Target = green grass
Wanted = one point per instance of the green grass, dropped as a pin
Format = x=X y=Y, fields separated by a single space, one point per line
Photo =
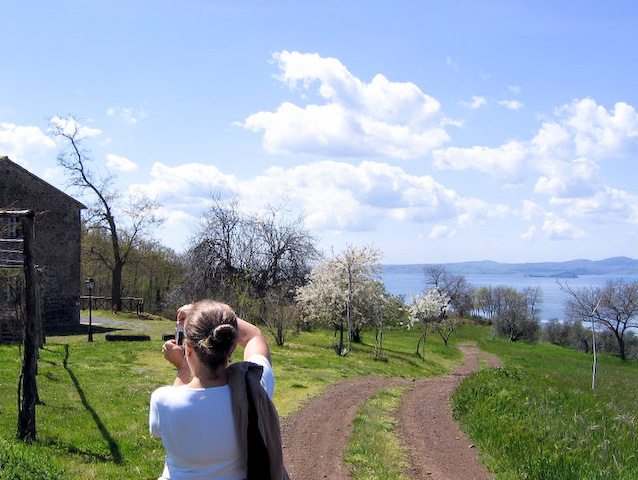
x=535 y=418
x=20 y=461
x=538 y=417
x=93 y=423
x=305 y=366
x=375 y=452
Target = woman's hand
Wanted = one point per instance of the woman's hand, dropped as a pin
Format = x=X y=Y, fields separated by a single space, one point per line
x=181 y=313
x=175 y=354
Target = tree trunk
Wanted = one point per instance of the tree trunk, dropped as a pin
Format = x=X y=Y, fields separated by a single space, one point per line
x=356 y=335
x=349 y=306
x=421 y=340
x=378 y=341
x=116 y=286
x=621 y=347
x=280 y=336
x=340 y=345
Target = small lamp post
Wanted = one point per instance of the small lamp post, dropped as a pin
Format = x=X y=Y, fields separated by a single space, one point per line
x=90 y=284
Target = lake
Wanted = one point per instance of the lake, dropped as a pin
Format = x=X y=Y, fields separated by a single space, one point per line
x=411 y=280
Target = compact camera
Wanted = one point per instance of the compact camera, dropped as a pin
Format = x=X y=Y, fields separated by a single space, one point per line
x=179 y=335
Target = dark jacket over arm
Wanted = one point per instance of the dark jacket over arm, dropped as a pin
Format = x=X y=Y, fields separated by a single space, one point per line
x=256 y=423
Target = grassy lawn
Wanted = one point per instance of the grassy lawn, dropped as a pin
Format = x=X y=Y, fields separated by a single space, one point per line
x=538 y=417
x=93 y=423
x=535 y=418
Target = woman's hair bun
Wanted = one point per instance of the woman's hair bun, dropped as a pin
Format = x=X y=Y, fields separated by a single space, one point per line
x=224 y=334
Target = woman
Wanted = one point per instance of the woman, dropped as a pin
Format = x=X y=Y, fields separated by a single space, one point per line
x=207 y=420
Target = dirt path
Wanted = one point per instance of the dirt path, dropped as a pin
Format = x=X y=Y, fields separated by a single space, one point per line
x=315 y=437
x=439 y=449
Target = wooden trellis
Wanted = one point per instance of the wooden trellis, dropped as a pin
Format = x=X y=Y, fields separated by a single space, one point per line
x=12 y=256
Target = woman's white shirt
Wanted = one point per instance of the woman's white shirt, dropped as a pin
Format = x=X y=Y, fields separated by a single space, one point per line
x=197 y=429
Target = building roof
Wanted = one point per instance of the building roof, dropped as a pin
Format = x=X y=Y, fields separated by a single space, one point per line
x=7 y=161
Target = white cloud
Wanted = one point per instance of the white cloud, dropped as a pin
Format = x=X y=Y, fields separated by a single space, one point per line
x=565 y=179
x=334 y=197
x=531 y=210
x=559 y=229
x=554 y=227
x=340 y=199
x=129 y=115
x=70 y=125
x=24 y=143
x=566 y=156
x=598 y=133
x=531 y=234
x=178 y=226
x=552 y=141
x=606 y=205
x=187 y=186
x=476 y=211
x=477 y=102
x=175 y=218
x=54 y=175
x=511 y=104
x=453 y=65
x=441 y=231
x=342 y=196
x=117 y=162
x=380 y=118
x=514 y=89
x=506 y=163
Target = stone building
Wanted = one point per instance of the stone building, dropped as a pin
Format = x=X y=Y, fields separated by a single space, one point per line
x=58 y=239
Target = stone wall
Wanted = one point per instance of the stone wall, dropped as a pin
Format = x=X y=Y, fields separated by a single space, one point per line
x=58 y=239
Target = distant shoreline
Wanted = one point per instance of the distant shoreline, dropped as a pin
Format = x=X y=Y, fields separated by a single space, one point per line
x=407 y=282
x=620 y=266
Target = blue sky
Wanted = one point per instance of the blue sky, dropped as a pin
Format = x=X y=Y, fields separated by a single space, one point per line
x=434 y=131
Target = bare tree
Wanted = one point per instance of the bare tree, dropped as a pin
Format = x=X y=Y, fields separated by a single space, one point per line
x=614 y=306
x=515 y=318
x=125 y=231
x=387 y=308
x=446 y=326
x=534 y=297
x=580 y=338
x=455 y=287
x=217 y=261
x=556 y=332
x=285 y=249
x=487 y=302
x=279 y=316
x=252 y=259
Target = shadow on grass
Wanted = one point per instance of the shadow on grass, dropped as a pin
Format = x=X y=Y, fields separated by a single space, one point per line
x=70 y=330
x=401 y=356
x=113 y=446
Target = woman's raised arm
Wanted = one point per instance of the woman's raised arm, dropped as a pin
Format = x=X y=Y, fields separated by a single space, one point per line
x=251 y=339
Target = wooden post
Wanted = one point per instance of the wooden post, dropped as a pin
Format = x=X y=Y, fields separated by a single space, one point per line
x=28 y=388
x=594 y=374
